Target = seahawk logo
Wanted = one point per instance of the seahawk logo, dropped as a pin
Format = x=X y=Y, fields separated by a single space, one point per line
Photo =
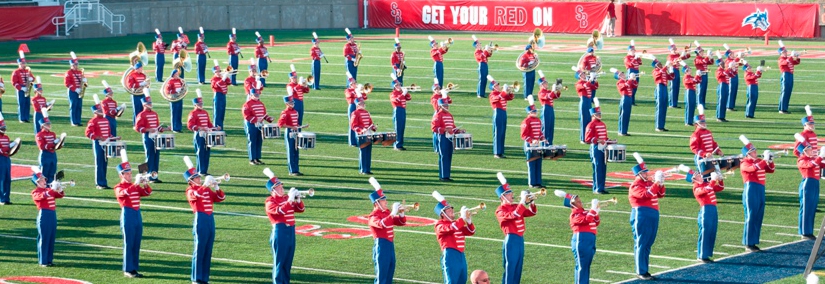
x=758 y=20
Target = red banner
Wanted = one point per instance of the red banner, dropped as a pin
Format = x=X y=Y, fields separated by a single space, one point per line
x=22 y=23
x=722 y=19
x=483 y=15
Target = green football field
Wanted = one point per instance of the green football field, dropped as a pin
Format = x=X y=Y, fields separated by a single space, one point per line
x=334 y=245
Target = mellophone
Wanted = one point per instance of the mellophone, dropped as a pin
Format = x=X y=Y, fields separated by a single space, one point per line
x=543 y=150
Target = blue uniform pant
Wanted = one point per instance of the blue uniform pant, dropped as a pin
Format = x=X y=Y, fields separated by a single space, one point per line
x=37 y=117
x=131 y=226
x=529 y=82
x=254 y=140
x=584 y=249
x=690 y=106
x=299 y=108
x=203 y=231
x=399 y=78
x=734 y=88
x=137 y=105
x=625 y=108
x=101 y=162
x=808 y=200
x=661 y=105
x=352 y=69
x=634 y=71
x=548 y=123
x=512 y=254
x=645 y=224
x=202 y=68
x=365 y=159
x=219 y=108
x=233 y=61
x=152 y=153
x=499 y=130
x=263 y=64
x=5 y=178
x=24 y=106
x=722 y=93
x=481 y=89
x=282 y=242
x=707 y=221
x=160 y=60
x=533 y=169
x=383 y=257
x=445 y=156
x=46 y=231
x=753 y=96
x=75 y=108
x=48 y=164
x=453 y=266
x=290 y=140
x=673 y=88
x=316 y=74
x=786 y=83
x=112 y=125
x=753 y=200
x=703 y=90
x=438 y=72
x=202 y=153
x=598 y=159
x=176 y=109
x=584 y=115
x=399 y=121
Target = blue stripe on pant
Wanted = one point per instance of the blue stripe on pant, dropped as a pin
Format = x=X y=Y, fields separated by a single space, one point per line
x=137 y=106
x=160 y=60
x=583 y=245
x=383 y=258
x=722 y=93
x=299 y=108
x=445 y=156
x=707 y=221
x=131 y=226
x=584 y=115
x=101 y=162
x=316 y=74
x=435 y=142
x=282 y=241
x=453 y=266
x=481 y=89
x=499 y=130
x=645 y=224
x=263 y=65
x=290 y=139
x=203 y=231
x=625 y=108
x=808 y=200
x=438 y=72
x=365 y=159
x=233 y=61
x=112 y=125
x=219 y=108
x=202 y=153
x=5 y=178
x=597 y=158
x=201 y=68
x=529 y=82
x=48 y=164
x=548 y=123
x=661 y=105
x=75 y=108
x=151 y=152
x=350 y=67
x=176 y=110
x=37 y=117
x=733 y=90
x=254 y=140
x=786 y=83
x=399 y=121
x=753 y=96
x=703 y=89
x=690 y=106
x=634 y=71
x=46 y=231
x=353 y=139
x=512 y=254
x=673 y=88
x=533 y=169
x=753 y=200
x=24 y=106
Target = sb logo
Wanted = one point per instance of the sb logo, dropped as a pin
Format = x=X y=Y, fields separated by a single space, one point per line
x=396 y=13
x=581 y=16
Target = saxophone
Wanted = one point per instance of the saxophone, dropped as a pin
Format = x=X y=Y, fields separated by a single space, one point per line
x=358 y=55
x=29 y=83
x=83 y=87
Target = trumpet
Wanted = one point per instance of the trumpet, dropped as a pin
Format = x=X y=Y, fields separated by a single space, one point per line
x=535 y=195
x=210 y=180
x=492 y=47
x=308 y=193
x=475 y=210
x=65 y=184
x=613 y=201
x=143 y=178
x=450 y=86
x=777 y=154
x=671 y=172
x=407 y=208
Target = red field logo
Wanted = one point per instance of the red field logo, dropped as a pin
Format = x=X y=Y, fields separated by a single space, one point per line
x=412 y=221
x=332 y=233
x=40 y=279
x=20 y=172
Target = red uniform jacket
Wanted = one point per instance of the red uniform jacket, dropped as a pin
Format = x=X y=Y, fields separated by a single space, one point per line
x=705 y=191
x=201 y=198
x=588 y=63
x=129 y=194
x=200 y=48
x=279 y=210
x=44 y=198
x=4 y=145
x=350 y=49
x=753 y=170
x=691 y=81
x=315 y=53
x=174 y=85
x=809 y=166
x=511 y=217
x=546 y=97
x=232 y=48
x=396 y=58
x=631 y=62
x=177 y=46
x=145 y=120
x=582 y=221
x=261 y=52
x=434 y=100
x=360 y=121
x=595 y=131
x=249 y=83
x=661 y=76
x=21 y=77
x=586 y=88
x=73 y=79
x=482 y=55
x=254 y=111
x=220 y=85
x=734 y=71
x=526 y=59
x=499 y=99
x=399 y=99
x=531 y=129
x=96 y=129
x=381 y=224
x=437 y=54
x=452 y=234
x=109 y=106
x=38 y=102
x=298 y=91
x=626 y=87
x=752 y=78
x=350 y=96
x=198 y=118
x=674 y=58
x=701 y=63
x=786 y=63
x=45 y=140
x=811 y=137
x=702 y=143
x=159 y=47
x=135 y=79
x=723 y=75
x=441 y=121
x=289 y=118
x=645 y=193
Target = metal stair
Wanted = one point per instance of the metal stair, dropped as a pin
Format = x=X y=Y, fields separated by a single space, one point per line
x=81 y=12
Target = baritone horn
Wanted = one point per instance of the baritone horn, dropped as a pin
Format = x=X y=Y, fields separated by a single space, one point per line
x=307 y=193
x=407 y=208
x=230 y=71
x=450 y=86
x=477 y=209
x=310 y=81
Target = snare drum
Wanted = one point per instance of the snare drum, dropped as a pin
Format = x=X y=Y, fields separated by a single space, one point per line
x=215 y=139
x=533 y=152
x=376 y=137
x=270 y=131
x=165 y=141
x=616 y=153
x=306 y=140
x=389 y=138
x=364 y=140
x=554 y=152
x=463 y=141
x=726 y=163
x=113 y=148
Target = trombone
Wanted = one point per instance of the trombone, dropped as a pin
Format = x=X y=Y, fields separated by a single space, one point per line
x=451 y=87
x=308 y=193
x=475 y=210
x=413 y=88
x=407 y=208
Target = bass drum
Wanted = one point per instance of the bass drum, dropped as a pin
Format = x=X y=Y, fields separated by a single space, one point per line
x=530 y=67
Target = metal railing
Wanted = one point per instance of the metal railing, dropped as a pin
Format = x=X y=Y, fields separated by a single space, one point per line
x=80 y=12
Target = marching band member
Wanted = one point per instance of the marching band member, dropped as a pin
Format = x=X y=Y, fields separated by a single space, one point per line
x=510 y=217
x=702 y=143
x=39 y=103
x=589 y=62
x=110 y=108
x=451 y=233
x=690 y=82
x=662 y=75
x=585 y=224
x=626 y=84
x=498 y=101
x=723 y=75
x=281 y=208
x=674 y=59
x=262 y=56
x=437 y=52
x=528 y=59
x=316 y=54
x=438 y=94
x=21 y=77
x=398 y=63
x=148 y=124
x=398 y=99
x=5 y=164
x=482 y=55
x=752 y=81
x=201 y=50
x=47 y=142
x=809 y=165
x=200 y=124
x=753 y=170
x=479 y=277
x=350 y=54
x=137 y=79
x=254 y=78
x=381 y=222
x=175 y=86
x=128 y=194
x=44 y=198
x=289 y=121
x=180 y=43
x=734 y=80
x=97 y=130
x=361 y=123
x=160 y=58
x=702 y=62
x=254 y=114
x=632 y=62
x=220 y=86
x=74 y=81
x=443 y=125
x=596 y=136
x=297 y=88
x=585 y=87
x=531 y=134
x=705 y=193
x=546 y=98
x=786 y=66
x=352 y=91
x=233 y=50
x=644 y=196
x=201 y=200
x=808 y=127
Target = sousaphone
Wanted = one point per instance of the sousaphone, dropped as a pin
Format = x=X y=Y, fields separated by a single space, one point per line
x=536 y=41
x=139 y=55
x=182 y=63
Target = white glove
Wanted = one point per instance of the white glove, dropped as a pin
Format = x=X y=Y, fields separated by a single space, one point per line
x=177 y=90
x=594 y=204
x=205 y=50
x=395 y=207
x=31 y=79
x=682 y=54
x=714 y=176
x=559 y=193
x=266 y=54
x=322 y=54
x=659 y=177
x=224 y=76
x=464 y=212
x=698 y=72
x=143 y=84
x=23 y=89
x=293 y=194
x=238 y=50
x=767 y=155
x=759 y=68
x=208 y=180
x=821 y=152
x=55 y=185
x=84 y=80
x=523 y=197
x=77 y=90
